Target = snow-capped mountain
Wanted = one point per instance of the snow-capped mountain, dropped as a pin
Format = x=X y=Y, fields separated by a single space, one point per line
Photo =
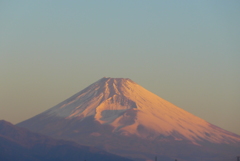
x=113 y=110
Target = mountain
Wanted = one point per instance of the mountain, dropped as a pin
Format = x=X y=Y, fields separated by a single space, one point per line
x=19 y=144
x=123 y=118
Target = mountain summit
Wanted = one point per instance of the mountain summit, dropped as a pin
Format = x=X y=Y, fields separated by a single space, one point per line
x=115 y=109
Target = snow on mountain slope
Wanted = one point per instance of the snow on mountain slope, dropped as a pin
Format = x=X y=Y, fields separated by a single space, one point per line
x=132 y=110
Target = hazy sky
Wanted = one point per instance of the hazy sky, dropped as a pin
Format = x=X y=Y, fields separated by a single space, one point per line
x=187 y=52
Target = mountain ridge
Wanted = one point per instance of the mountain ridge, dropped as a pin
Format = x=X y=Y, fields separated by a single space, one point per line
x=20 y=144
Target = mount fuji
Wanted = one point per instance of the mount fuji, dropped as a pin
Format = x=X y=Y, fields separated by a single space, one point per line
x=121 y=117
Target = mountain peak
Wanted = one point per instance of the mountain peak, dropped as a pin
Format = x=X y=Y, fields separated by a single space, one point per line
x=116 y=80
x=109 y=87
x=3 y=122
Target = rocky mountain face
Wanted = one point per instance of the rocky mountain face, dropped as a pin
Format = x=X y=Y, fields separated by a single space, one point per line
x=122 y=117
x=19 y=144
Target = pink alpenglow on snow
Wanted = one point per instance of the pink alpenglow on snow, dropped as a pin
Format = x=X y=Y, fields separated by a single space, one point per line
x=123 y=108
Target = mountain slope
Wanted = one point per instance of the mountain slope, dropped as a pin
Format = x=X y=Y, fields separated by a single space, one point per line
x=20 y=144
x=112 y=112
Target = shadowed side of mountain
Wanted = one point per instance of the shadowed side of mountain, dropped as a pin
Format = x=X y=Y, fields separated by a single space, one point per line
x=22 y=145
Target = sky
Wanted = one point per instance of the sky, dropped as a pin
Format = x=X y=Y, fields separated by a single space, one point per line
x=186 y=52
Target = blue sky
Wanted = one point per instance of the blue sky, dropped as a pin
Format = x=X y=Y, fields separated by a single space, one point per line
x=186 y=52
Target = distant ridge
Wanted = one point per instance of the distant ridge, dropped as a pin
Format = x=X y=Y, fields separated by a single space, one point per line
x=19 y=144
x=120 y=116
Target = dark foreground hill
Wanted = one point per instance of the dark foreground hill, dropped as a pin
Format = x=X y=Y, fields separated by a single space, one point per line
x=19 y=144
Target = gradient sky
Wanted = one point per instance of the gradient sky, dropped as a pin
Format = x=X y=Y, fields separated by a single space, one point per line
x=187 y=52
